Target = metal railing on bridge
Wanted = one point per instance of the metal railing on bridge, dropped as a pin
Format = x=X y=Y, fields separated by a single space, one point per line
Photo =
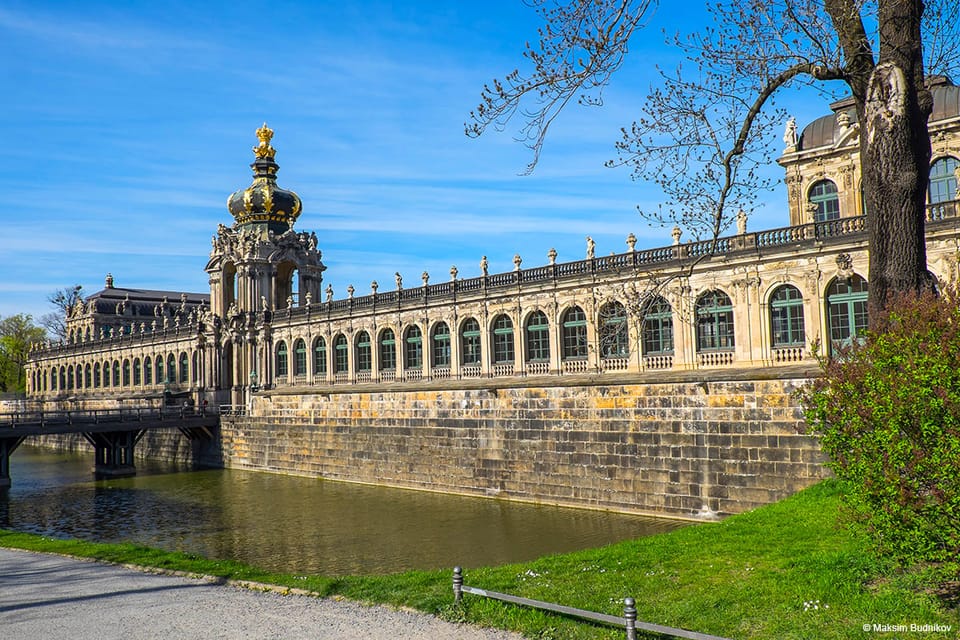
x=42 y=418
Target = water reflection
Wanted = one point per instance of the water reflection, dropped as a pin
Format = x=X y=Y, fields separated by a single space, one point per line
x=296 y=525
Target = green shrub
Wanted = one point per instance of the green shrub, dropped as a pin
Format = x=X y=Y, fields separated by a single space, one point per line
x=887 y=411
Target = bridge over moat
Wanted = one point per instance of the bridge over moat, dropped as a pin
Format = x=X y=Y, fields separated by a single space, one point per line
x=113 y=433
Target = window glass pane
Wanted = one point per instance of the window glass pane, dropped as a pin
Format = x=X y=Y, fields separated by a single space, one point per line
x=538 y=338
x=824 y=195
x=943 y=180
x=319 y=356
x=502 y=340
x=441 y=345
x=364 y=354
x=658 y=327
x=470 y=342
x=388 y=350
x=413 y=348
x=574 y=334
x=614 y=339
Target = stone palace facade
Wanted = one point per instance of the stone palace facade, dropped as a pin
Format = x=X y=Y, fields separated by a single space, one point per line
x=751 y=300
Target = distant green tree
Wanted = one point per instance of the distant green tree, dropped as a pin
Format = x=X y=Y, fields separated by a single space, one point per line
x=887 y=411
x=17 y=333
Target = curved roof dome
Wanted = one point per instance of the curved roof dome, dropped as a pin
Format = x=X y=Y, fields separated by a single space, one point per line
x=825 y=131
x=263 y=201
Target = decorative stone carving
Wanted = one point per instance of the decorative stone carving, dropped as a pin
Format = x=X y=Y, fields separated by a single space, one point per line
x=741 y=222
x=591 y=246
x=675 y=234
x=453 y=272
x=398 y=279
x=790 y=135
x=483 y=265
x=631 y=242
x=425 y=277
x=517 y=261
x=844 y=266
x=552 y=256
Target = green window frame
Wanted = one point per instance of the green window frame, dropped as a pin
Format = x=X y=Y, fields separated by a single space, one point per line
x=171 y=369
x=147 y=371
x=341 y=353
x=96 y=376
x=364 y=352
x=413 y=348
x=846 y=310
x=299 y=357
x=824 y=195
x=503 y=350
x=614 y=336
x=658 y=327
x=282 y=360
x=574 y=334
x=184 y=368
x=470 y=342
x=137 y=372
x=786 y=317
x=387 y=350
x=440 y=345
x=715 y=331
x=943 y=180
x=538 y=337
x=320 y=357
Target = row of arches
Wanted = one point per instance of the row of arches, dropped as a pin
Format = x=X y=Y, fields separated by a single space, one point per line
x=539 y=346
x=824 y=199
x=151 y=371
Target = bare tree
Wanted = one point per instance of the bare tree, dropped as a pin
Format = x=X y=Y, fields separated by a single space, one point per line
x=704 y=133
x=64 y=300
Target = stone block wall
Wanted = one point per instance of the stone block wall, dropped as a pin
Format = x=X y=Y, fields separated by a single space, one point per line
x=688 y=448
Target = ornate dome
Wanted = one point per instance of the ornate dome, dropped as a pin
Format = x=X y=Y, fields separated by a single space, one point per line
x=263 y=201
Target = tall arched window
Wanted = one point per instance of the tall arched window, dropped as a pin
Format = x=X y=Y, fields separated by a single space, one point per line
x=614 y=337
x=340 y=354
x=574 y=334
x=126 y=373
x=387 y=350
x=147 y=371
x=319 y=357
x=502 y=339
x=470 y=342
x=171 y=368
x=161 y=376
x=282 y=360
x=364 y=353
x=658 y=327
x=87 y=376
x=440 y=345
x=786 y=317
x=96 y=375
x=846 y=309
x=823 y=195
x=299 y=357
x=538 y=337
x=63 y=378
x=116 y=373
x=714 y=322
x=137 y=372
x=413 y=347
x=943 y=180
x=184 y=368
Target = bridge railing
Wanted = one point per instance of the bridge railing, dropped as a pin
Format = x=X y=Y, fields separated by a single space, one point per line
x=40 y=417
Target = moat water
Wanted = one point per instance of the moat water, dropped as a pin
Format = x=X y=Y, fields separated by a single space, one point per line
x=294 y=525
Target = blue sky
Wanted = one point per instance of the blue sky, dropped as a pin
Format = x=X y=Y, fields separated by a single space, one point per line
x=129 y=124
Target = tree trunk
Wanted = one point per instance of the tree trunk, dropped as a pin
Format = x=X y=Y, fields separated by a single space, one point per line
x=895 y=153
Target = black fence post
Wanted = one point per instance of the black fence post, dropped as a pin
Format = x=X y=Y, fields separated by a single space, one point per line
x=457 y=585
x=630 y=618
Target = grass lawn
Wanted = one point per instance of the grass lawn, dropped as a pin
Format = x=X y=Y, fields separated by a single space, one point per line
x=787 y=570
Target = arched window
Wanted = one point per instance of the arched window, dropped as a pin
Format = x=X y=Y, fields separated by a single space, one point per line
x=574 y=336
x=440 y=345
x=282 y=359
x=96 y=375
x=823 y=195
x=147 y=371
x=87 y=376
x=340 y=354
x=159 y=368
x=364 y=353
x=126 y=373
x=171 y=368
x=502 y=339
x=470 y=342
x=714 y=322
x=387 y=350
x=137 y=372
x=538 y=337
x=116 y=373
x=184 y=368
x=299 y=357
x=786 y=317
x=413 y=347
x=658 y=327
x=846 y=309
x=63 y=378
x=320 y=357
x=614 y=337
x=943 y=180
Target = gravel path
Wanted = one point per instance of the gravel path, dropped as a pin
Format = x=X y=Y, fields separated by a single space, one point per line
x=51 y=597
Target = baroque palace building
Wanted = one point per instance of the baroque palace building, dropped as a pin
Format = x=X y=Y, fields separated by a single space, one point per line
x=750 y=300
